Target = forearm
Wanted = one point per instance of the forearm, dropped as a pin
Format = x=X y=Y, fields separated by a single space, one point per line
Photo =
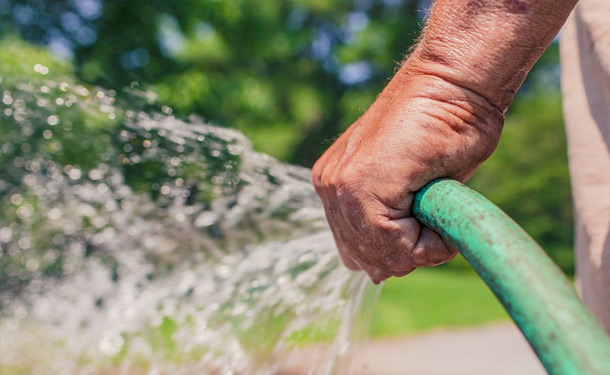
x=487 y=46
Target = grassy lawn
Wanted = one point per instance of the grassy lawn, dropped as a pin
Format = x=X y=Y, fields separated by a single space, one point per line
x=434 y=298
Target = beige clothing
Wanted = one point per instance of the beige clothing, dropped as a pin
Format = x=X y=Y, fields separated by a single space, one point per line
x=585 y=70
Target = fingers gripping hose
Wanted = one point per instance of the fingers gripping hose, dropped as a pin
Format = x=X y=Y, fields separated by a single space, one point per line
x=537 y=295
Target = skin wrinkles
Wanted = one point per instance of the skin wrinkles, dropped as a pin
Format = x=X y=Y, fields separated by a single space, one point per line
x=441 y=115
x=471 y=95
x=461 y=42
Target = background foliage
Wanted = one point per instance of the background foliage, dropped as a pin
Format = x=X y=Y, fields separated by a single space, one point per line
x=291 y=75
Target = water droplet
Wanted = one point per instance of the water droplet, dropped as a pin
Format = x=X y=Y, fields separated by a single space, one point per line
x=54 y=213
x=7 y=99
x=20 y=313
x=81 y=90
x=102 y=188
x=25 y=211
x=206 y=219
x=53 y=120
x=175 y=161
x=111 y=345
x=16 y=199
x=19 y=162
x=19 y=104
x=19 y=115
x=58 y=240
x=24 y=243
x=32 y=264
x=29 y=180
x=6 y=233
x=95 y=174
x=74 y=173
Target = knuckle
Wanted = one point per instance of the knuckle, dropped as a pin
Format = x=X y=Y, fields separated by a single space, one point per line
x=430 y=257
x=348 y=183
x=316 y=173
x=323 y=179
x=351 y=171
x=345 y=192
x=397 y=264
x=401 y=267
x=388 y=229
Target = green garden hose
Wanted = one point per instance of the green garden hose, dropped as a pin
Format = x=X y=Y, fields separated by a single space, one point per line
x=536 y=294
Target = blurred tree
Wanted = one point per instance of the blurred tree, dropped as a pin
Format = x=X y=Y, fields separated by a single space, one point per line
x=292 y=75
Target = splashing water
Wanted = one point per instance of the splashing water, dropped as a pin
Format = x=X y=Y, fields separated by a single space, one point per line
x=134 y=242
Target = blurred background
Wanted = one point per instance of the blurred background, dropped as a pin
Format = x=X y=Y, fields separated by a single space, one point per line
x=292 y=75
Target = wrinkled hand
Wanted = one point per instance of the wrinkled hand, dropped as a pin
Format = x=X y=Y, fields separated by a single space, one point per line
x=419 y=129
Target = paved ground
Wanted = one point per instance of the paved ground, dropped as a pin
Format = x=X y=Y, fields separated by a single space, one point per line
x=490 y=350
x=497 y=350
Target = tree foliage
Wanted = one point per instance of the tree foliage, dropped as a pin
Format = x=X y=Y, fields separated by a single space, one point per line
x=292 y=75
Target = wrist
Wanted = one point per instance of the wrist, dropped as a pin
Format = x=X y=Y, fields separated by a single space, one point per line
x=441 y=128
x=458 y=103
x=475 y=84
x=488 y=47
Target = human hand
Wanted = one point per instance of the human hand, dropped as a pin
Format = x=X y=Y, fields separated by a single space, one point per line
x=419 y=129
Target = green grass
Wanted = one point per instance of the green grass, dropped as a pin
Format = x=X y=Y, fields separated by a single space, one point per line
x=434 y=298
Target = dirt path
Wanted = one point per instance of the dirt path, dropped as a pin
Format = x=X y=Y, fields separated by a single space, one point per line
x=490 y=350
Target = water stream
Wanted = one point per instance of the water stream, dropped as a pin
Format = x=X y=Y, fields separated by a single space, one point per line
x=135 y=242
